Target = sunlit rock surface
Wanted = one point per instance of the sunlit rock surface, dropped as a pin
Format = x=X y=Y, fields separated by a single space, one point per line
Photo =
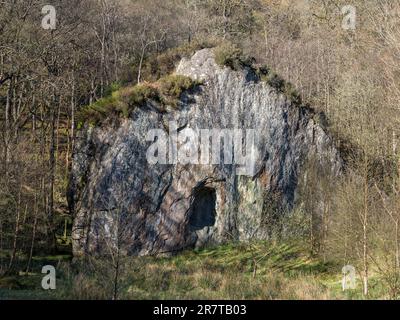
x=119 y=199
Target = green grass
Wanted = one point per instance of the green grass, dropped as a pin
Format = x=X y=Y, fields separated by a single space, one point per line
x=284 y=271
x=27 y=286
x=165 y=92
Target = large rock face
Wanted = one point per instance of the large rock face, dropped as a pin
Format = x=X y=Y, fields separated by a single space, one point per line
x=120 y=197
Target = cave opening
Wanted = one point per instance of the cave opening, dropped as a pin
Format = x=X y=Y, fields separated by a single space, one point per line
x=203 y=209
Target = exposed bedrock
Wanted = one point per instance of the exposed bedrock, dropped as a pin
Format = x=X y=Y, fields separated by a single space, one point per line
x=119 y=197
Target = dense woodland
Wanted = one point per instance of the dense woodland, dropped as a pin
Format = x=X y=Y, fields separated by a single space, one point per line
x=352 y=77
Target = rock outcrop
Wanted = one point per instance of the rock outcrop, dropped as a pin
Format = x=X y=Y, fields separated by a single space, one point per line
x=120 y=197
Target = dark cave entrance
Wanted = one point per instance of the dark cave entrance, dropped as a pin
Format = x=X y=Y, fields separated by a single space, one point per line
x=203 y=209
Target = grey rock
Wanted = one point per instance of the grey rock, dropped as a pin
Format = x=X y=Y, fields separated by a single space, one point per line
x=119 y=199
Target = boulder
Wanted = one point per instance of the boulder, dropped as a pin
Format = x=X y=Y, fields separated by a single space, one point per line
x=138 y=185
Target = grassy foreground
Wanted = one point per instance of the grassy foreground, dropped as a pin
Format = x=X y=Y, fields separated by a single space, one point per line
x=236 y=271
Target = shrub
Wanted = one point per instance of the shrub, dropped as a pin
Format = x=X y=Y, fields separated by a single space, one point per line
x=175 y=85
x=279 y=84
x=157 y=66
x=160 y=65
x=97 y=111
x=231 y=56
x=110 y=89
x=142 y=93
x=171 y=88
x=263 y=72
x=228 y=55
x=275 y=81
x=166 y=91
x=291 y=93
x=123 y=97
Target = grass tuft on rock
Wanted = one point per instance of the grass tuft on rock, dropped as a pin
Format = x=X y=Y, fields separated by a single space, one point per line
x=230 y=55
x=161 y=65
x=173 y=86
x=166 y=91
x=279 y=84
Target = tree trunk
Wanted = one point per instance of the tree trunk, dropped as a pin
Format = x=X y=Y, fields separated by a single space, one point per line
x=52 y=163
x=16 y=233
x=365 y=230
x=140 y=65
x=33 y=235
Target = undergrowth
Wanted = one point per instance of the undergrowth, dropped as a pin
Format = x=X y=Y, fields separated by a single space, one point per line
x=165 y=92
x=257 y=270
